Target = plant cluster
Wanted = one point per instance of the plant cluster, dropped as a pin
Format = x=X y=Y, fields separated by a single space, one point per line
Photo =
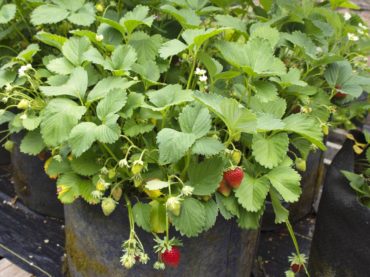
x=360 y=181
x=180 y=110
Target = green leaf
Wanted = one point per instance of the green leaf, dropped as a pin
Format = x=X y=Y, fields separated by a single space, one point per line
x=5 y=116
x=286 y=181
x=109 y=131
x=339 y=75
x=303 y=41
x=70 y=4
x=206 y=176
x=75 y=48
x=58 y=119
x=212 y=65
x=170 y=150
x=307 y=127
x=87 y=164
x=195 y=120
x=275 y=108
x=186 y=17
x=82 y=137
x=54 y=168
x=156 y=184
x=141 y=213
x=138 y=16
x=223 y=211
x=32 y=143
x=60 y=66
x=149 y=71
x=7 y=13
x=51 y=39
x=105 y=85
x=236 y=117
x=168 y=96
x=269 y=151
x=267 y=122
x=191 y=220
x=85 y=16
x=146 y=46
x=293 y=77
x=265 y=32
x=207 y=146
x=48 y=14
x=249 y=220
x=123 y=57
x=29 y=52
x=281 y=213
x=112 y=103
x=132 y=128
x=198 y=36
x=230 y=203
x=31 y=122
x=211 y=211
x=157 y=217
x=231 y=22
x=265 y=91
x=6 y=77
x=256 y=57
x=76 y=85
x=171 y=48
x=356 y=181
x=252 y=193
x=72 y=186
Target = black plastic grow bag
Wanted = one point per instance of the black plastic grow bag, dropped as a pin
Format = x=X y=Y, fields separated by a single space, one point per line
x=93 y=247
x=341 y=242
x=36 y=190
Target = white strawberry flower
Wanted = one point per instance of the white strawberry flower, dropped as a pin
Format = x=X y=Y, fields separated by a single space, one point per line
x=352 y=37
x=200 y=72
x=99 y=37
x=203 y=78
x=187 y=190
x=362 y=26
x=347 y=16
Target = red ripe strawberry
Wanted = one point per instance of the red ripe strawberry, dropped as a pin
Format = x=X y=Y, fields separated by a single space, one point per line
x=234 y=177
x=296 y=267
x=224 y=189
x=340 y=95
x=171 y=257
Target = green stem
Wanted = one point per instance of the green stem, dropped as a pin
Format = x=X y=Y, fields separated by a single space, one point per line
x=294 y=239
x=192 y=70
x=110 y=152
x=187 y=164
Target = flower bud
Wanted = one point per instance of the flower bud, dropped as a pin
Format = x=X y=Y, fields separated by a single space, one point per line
x=187 y=190
x=173 y=205
x=23 y=104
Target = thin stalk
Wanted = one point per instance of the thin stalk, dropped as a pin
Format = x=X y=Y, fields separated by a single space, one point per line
x=294 y=239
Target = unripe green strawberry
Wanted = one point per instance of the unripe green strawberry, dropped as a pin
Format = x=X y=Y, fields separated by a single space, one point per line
x=108 y=205
x=224 y=189
x=8 y=145
x=99 y=7
x=111 y=173
x=137 y=167
x=117 y=193
x=300 y=164
x=325 y=129
x=173 y=205
x=23 y=104
x=236 y=156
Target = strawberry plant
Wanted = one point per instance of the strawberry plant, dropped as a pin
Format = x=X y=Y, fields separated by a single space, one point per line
x=181 y=110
